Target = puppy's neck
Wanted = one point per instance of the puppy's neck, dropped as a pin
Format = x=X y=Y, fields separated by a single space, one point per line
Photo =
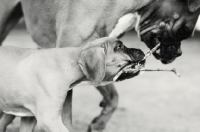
x=80 y=81
x=85 y=81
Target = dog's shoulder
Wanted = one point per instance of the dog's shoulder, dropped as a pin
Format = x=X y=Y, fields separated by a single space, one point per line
x=15 y=50
x=14 y=53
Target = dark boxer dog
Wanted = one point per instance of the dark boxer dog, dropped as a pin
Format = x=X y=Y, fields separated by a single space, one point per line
x=177 y=23
x=62 y=23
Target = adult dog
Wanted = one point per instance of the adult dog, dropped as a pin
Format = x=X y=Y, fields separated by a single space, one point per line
x=42 y=78
x=61 y=23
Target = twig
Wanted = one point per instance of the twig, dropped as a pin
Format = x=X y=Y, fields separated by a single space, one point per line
x=151 y=51
x=118 y=75
x=138 y=68
x=170 y=70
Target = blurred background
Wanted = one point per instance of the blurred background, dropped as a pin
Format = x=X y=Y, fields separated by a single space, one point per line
x=151 y=102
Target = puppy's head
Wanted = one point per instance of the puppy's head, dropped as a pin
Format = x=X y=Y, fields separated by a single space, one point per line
x=103 y=58
x=170 y=22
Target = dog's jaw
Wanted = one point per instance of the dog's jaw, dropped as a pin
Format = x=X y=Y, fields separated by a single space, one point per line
x=177 y=24
x=129 y=71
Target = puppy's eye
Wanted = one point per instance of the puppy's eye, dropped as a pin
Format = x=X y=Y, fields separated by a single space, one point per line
x=119 y=45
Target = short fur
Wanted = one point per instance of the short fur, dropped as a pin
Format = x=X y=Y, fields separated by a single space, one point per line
x=36 y=82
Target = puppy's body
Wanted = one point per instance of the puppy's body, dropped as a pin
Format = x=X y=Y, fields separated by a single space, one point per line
x=36 y=82
x=28 y=73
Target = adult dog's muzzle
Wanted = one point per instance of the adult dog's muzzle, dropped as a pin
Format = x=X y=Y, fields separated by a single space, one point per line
x=169 y=22
x=169 y=52
x=169 y=49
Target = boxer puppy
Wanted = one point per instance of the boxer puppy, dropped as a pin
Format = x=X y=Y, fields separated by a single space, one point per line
x=35 y=83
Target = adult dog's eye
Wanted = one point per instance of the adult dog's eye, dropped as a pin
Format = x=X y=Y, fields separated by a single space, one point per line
x=183 y=33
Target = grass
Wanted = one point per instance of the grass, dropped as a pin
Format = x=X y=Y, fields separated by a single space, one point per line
x=152 y=102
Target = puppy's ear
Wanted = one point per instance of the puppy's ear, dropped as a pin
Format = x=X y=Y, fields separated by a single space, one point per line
x=193 y=5
x=92 y=63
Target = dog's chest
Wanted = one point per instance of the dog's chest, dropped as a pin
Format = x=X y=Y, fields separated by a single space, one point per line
x=16 y=109
x=15 y=104
x=20 y=114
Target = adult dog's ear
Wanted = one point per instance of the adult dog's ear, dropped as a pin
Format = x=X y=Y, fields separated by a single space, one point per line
x=92 y=63
x=193 y=5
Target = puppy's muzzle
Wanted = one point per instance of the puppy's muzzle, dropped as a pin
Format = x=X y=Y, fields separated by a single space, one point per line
x=136 y=56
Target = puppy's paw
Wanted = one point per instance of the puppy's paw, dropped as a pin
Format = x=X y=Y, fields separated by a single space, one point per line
x=102 y=103
x=98 y=124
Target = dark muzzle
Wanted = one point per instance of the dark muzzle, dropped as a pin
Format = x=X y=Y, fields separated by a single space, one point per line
x=169 y=52
x=135 y=54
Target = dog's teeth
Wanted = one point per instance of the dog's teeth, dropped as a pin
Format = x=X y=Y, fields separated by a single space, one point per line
x=158 y=51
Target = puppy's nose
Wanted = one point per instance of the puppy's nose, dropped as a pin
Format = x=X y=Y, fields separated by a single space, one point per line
x=179 y=52
x=136 y=54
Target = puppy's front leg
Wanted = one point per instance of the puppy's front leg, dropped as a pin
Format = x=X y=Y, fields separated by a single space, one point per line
x=125 y=23
x=49 y=107
x=27 y=124
x=51 y=124
x=5 y=121
x=49 y=116
x=67 y=111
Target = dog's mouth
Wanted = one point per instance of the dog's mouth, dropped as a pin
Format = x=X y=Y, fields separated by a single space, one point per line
x=133 y=69
x=129 y=71
x=167 y=52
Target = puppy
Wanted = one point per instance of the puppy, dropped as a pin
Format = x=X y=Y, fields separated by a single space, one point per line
x=34 y=83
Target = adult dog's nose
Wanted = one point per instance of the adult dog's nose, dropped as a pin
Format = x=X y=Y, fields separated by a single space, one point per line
x=171 y=49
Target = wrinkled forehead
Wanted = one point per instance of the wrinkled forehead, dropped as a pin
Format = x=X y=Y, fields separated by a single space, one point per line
x=175 y=10
x=169 y=7
x=175 y=13
x=181 y=21
x=168 y=10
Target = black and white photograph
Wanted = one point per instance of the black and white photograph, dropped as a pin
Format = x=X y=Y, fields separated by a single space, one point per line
x=99 y=66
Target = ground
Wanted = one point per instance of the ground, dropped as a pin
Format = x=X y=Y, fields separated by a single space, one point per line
x=151 y=102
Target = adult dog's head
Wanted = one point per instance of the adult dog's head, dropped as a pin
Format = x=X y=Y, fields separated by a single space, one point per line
x=170 y=22
x=102 y=59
